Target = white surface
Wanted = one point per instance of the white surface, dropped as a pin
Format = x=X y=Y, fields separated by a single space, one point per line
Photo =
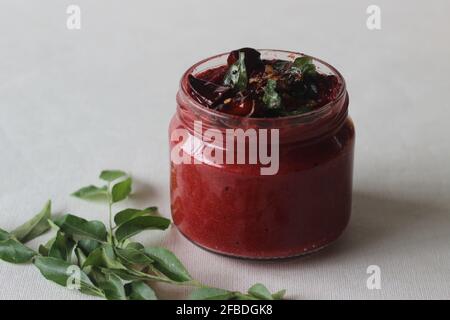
x=75 y=102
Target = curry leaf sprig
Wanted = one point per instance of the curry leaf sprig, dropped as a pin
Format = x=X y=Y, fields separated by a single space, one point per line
x=106 y=262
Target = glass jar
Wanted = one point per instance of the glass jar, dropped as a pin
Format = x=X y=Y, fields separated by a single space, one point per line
x=234 y=210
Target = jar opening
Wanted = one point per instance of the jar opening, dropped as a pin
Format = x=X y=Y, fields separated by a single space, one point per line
x=307 y=127
x=220 y=60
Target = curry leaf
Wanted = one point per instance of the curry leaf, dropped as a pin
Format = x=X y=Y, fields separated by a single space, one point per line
x=241 y=296
x=88 y=245
x=113 y=288
x=139 y=290
x=76 y=226
x=135 y=245
x=62 y=247
x=260 y=291
x=91 y=193
x=44 y=249
x=121 y=190
x=103 y=257
x=111 y=284
x=211 y=294
x=111 y=175
x=279 y=295
x=139 y=224
x=34 y=227
x=168 y=264
x=81 y=257
x=128 y=214
x=236 y=77
x=4 y=235
x=13 y=251
x=304 y=64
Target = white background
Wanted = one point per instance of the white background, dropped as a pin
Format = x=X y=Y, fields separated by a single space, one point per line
x=75 y=102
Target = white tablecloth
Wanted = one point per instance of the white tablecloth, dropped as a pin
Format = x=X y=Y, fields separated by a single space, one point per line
x=75 y=102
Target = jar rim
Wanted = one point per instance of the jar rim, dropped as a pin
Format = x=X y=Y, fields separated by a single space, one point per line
x=184 y=86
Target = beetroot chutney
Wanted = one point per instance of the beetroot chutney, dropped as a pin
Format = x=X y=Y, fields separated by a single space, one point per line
x=234 y=210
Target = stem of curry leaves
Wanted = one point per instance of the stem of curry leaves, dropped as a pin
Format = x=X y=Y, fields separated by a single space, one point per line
x=111 y=228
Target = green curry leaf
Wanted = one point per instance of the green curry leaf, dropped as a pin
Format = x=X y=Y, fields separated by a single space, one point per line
x=168 y=264
x=91 y=192
x=139 y=224
x=139 y=290
x=76 y=226
x=236 y=77
x=14 y=251
x=35 y=227
x=121 y=190
x=111 y=175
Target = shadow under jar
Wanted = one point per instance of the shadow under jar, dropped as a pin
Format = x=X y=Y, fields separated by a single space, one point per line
x=232 y=209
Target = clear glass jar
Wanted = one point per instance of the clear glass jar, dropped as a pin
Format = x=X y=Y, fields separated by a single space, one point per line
x=234 y=210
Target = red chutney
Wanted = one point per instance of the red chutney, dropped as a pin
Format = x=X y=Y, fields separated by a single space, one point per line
x=234 y=210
